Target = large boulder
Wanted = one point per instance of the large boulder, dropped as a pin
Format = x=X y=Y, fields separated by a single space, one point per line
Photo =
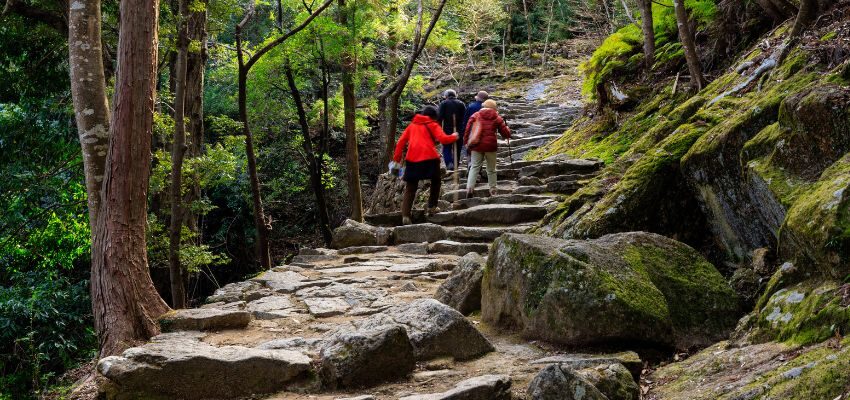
x=352 y=233
x=557 y=383
x=486 y=387
x=613 y=380
x=365 y=358
x=181 y=366
x=462 y=289
x=629 y=287
x=434 y=329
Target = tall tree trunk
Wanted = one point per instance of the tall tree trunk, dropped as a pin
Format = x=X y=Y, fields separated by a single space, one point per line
x=260 y=222
x=313 y=165
x=178 y=151
x=349 y=106
x=648 y=33
x=805 y=16
x=195 y=63
x=527 y=30
x=687 y=39
x=548 y=30
x=125 y=302
x=88 y=89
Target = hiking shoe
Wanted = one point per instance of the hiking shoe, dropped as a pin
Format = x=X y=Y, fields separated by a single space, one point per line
x=405 y=221
x=493 y=192
x=434 y=210
x=470 y=194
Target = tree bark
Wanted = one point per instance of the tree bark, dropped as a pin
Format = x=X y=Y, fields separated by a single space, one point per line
x=805 y=15
x=548 y=30
x=195 y=63
x=178 y=150
x=349 y=106
x=125 y=303
x=313 y=165
x=528 y=30
x=88 y=89
x=648 y=33
x=260 y=222
x=687 y=39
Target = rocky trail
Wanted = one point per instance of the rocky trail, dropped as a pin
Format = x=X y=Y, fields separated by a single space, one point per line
x=361 y=320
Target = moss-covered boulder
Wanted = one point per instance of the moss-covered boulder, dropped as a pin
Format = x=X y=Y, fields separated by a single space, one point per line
x=762 y=371
x=816 y=231
x=805 y=313
x=632 y=287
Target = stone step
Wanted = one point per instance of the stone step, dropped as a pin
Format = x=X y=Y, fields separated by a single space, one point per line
x=529 y=139
x=566 y=167
x=181 y=366
x=512 y=198
x=501 y=173
x=457 y=248
x=483 y=234
x=480 y=191
x=491 y=214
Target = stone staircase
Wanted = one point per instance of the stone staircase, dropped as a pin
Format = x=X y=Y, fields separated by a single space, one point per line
x=361 y=319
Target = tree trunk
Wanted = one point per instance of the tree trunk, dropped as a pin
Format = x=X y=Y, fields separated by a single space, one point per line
x=195 y=63
x=349 y=106
x=687 y=39
x=548 y=31
x=178 y=151
x=88 y=89
x=528 y=30
x=313 y=165
x=648 y=33
x=805 y=16
x=260 y=224
x=125 y=303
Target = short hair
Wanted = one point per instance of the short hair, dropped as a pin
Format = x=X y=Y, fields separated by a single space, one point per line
x=429 y=111
x=450 y=93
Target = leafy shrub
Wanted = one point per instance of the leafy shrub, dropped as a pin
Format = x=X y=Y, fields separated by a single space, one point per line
x=45 y=328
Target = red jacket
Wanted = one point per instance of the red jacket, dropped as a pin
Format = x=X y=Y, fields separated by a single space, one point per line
x=419 y=141
x=491 y=122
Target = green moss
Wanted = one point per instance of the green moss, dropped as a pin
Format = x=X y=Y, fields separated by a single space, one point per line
x=816 y=231
x=803 y=314
x=690 y=284
x=829 y=36
x=620 y=52
x=786 y=187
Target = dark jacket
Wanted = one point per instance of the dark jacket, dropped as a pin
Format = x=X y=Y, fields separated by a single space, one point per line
x=450 y=109
x=491 y=122
x=419 y=139
x=472 y=108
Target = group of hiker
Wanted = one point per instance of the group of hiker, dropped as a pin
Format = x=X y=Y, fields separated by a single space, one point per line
x=475 y=126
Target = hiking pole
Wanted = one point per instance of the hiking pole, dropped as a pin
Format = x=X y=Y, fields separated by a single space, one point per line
x=455 y=178
x=510 y=154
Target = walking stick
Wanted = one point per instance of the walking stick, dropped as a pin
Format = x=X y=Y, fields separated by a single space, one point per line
x=455 y=178
x=510 y=154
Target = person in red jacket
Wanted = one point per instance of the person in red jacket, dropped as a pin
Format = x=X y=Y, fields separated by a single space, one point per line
x=422 y=160
x=489 y=122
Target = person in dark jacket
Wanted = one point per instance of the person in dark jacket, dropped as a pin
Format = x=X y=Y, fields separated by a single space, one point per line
x=450 y=117
x=422 y=160
x=475 y=106
x=489 y=122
